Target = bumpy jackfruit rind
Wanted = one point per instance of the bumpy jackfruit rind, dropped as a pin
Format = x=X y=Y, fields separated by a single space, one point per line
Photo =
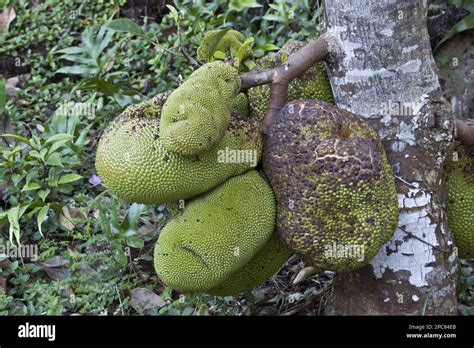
x=459 y=174
x=241 y=104
x=313 y=84
x=216 y=234
x=268 y=260
x=134 y=165
x=336 y=197
x=196 y=115
x=228 y=44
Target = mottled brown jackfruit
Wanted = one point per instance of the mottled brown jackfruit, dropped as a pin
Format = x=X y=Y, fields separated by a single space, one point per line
x=336 y=198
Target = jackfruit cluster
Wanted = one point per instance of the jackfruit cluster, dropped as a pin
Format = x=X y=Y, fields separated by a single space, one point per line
x=225 y=235
x=313 y=84
x=224 y=241
x=459 y=175
x=214 y=243
x=134 y=164
x=335 y=191
x=196 y=115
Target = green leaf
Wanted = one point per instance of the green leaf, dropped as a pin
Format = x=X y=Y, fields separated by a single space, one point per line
x=174 y=13
x=71 y=50
x=16 y=138
x=59 y=137
x=464 y=24
x=76 y=58
x=120 y=257
x=273 y=18
x=41 y=216
x=77 y=70
x=43 y=194
x=106 y=87
x=3 y=95
x=3 y=216
x=239 y=5
x=269 y=47
x=125 y=25
x=31 y=186
x=13 y=219
x=57 y=145
x=135 y=242
x=65 y=179
x=54 y=160
x=130 y=223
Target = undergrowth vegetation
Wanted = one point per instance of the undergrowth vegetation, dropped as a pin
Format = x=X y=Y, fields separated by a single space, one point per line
x=65 y=74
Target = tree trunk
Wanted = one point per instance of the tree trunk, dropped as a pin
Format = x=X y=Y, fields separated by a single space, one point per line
x=382 y=68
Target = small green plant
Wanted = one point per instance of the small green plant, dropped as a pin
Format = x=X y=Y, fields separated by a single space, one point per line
x=122 y=234
x=94 y=61
x=464 y=24
x=39 y=170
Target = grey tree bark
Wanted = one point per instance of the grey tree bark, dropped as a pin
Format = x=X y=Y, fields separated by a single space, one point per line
x=381 y=67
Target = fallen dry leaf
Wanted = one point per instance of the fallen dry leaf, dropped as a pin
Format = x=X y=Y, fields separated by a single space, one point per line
x=55 y=261
x=55 y=267
x=65 y=219
x=55 y=273
x=304 y=274
x=10 y=85
x=144 y=299
x=40 y=128
x=147 y=232
x=6 y=17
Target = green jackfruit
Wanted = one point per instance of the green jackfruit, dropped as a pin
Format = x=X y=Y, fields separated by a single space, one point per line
x=336 y=197
x=459 y=172
x=134 y=164
x=230 y=43
x=268 y=260
x=216 y=234
x=313 y=84
x=241 y=104
x=196 y=115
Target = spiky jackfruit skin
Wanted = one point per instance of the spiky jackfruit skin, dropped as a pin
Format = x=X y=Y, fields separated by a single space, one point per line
x=228 y=44
x=459 y=174
x=134 y=164
x=334 y=186
x=266 y=262
x=197 y=113
x=313 y=84
x=241 y=104
x=216 y=234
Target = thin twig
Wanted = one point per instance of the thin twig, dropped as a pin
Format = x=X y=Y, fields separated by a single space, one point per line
x=190 y=59
x=423 y=241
